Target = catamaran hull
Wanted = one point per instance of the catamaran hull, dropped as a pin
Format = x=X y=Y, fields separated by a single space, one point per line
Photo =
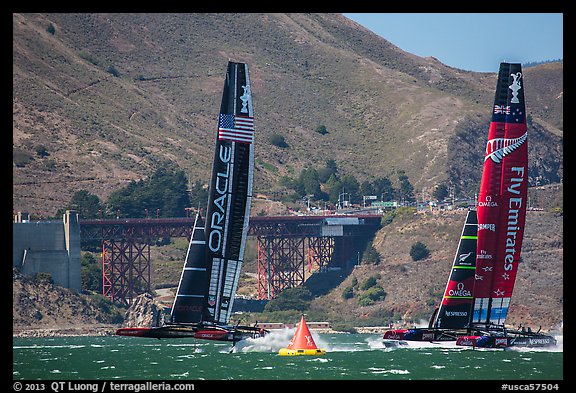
x=156 y=332
x=233 y=334
x=393 y=338
x=422 y=335
x=535 y=341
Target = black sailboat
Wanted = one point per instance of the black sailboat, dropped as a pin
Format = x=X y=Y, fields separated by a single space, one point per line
x=209 y=278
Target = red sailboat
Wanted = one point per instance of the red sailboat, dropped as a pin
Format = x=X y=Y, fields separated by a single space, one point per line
x=477 y=297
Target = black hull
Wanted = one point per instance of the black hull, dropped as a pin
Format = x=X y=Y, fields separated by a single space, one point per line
x=212 y=332
x=424 y=334
x=497 y=340
x=490 y=338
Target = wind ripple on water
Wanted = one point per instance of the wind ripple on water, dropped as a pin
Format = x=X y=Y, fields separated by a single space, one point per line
x=349 y=356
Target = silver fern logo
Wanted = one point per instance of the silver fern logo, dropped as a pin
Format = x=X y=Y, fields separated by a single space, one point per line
x=498 y=148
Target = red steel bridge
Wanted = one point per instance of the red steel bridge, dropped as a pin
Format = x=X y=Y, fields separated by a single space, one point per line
x=288 y=246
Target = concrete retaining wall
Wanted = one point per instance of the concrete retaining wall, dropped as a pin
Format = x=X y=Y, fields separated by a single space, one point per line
x=50 y=247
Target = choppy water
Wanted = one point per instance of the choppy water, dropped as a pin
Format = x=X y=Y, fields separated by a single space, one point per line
x=350 y=356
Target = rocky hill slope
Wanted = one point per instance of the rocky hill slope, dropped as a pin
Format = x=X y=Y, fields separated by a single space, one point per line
x=103 y=99
x=414 y=288
x=42 y=308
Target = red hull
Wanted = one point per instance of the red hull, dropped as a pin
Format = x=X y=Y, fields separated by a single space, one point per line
x=397 y=334
x=216 y=335
x=151 y=332
x=133 y=332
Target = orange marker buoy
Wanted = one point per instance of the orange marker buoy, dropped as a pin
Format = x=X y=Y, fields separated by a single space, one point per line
x=302 y=343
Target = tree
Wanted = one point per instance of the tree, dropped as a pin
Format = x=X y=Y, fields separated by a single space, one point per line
x=372 y=294
x=419 y=251
x=310 y=183
x=366 y=188
x=371 y=256
x=165 y=191
x=383 y=189
x=352 y=187
x=406 y=190
x=369 y=282
x=329 y=169
x=41 y=151
x=333 y=188
x=348 y=292
x=86 y=204
x=331 y=164
x=90 y=273
x=297 y=298
x=321 y=129
x=113 y=71
x=198 y=195
x=278 y=140
x=440 y=192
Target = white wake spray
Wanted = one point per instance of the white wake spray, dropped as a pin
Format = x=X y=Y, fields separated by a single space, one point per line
x=272 y=342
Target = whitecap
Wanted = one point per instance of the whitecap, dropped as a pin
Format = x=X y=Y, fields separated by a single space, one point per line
x=180 y=375
x=392 y=371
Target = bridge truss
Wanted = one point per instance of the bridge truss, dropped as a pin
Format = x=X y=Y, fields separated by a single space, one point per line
x=290 y=248
x=126 y=263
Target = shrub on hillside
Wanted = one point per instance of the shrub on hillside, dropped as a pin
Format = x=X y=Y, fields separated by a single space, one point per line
x=371 y=295
x=297 y=298
x=278 y=140
x=419 y=251
x=369 y=282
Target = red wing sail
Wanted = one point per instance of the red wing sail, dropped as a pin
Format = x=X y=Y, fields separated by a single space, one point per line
x=457 y=302
x=502 y=199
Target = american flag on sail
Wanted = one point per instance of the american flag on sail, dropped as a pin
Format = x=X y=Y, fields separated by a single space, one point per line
x=236 y=128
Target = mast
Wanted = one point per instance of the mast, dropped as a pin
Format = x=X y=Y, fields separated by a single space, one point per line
x=230 y=193
x=456 y=307
x=502 y=200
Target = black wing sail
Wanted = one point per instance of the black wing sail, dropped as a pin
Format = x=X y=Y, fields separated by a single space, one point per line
x=230 y=192
x=456 y=307
x=191 y=295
